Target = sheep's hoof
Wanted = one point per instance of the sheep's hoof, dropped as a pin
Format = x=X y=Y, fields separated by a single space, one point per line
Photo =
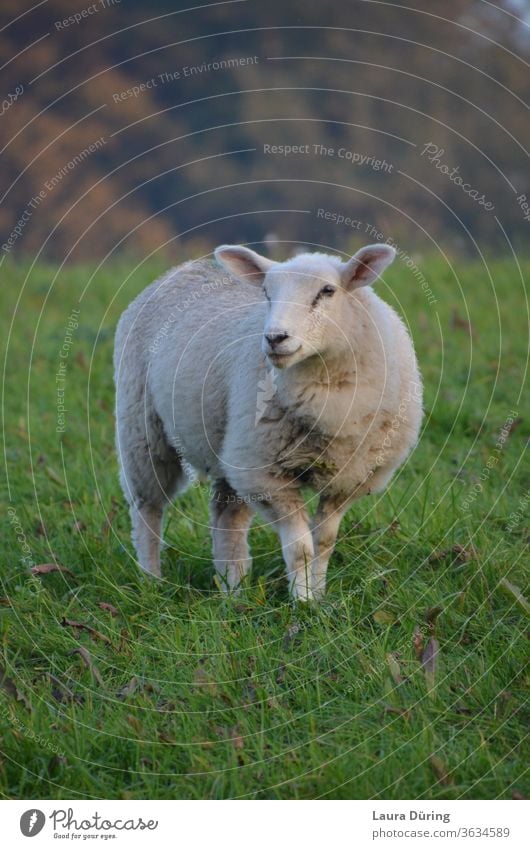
x=153 y=575
x=304 y=595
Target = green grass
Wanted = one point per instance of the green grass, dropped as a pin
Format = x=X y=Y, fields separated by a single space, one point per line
x=252 y=697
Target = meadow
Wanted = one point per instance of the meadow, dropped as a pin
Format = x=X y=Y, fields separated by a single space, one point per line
x=408 y=681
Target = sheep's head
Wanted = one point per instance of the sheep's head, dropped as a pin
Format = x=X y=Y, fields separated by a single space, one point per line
x=308 y=296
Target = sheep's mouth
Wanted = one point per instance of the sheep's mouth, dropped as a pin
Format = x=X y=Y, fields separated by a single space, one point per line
x=280 y=358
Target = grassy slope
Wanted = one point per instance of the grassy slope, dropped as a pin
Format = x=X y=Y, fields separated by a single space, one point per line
x=250 y=697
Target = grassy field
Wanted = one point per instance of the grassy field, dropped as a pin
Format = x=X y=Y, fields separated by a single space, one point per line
x=409 y=681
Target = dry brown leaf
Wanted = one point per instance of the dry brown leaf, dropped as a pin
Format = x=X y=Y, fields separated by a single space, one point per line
x=110 y=516
x=404 y=712
x=440 y=770
x=204 y=744
x=461 y=323
x=11 y=688
x=394 y=667
x=80 y=626
x=418 y=642
x=129 y=688
x=431 y=615
x=429 y=661
x=87 y=660
x=236 y=739
x=40 y=529
x=460 y=553
x=202 y=679
x=166 y=738
x=54 y=476
x=515 y=592
x=384 y=617
x=81 y=360
x=516 y=794
x=109 y=608
x=46 y=568
x=134 y=723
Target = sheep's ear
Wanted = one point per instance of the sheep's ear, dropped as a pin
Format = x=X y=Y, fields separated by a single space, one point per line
x=244 y=263
x=366 y=265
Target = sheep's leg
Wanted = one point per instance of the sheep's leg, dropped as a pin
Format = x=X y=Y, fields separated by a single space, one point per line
x=231 y=518
x=147 y=536
x=298 y=553
x=325 y=527
x=290 y=520
x=151 y=473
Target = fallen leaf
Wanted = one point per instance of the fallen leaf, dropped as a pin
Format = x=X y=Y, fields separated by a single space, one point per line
x=166 y=738
x=54 y=476
x=87 y=660
x=134 y=722
x=109 y=608
x=431 y=615
x=81 y=360
x=460 y=323
x=394 y=667
x=429 y=661
x=418 y=642
x=394 y=526
x=384 y=617
x=404 y=712
x=514 y=591
x=280 y=675
x=236 y=739
x=11 y=688
x=440 y=770
x=46 y=568
x=202 y=679
x=460 y=553
x=204 y=744
x=80 y=626
x=110 y=516
x=129 y=688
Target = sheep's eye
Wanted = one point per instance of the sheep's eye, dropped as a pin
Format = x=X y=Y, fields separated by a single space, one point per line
x=327 y=290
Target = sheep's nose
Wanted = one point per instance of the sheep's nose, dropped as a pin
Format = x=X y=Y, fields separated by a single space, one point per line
x=275 y=338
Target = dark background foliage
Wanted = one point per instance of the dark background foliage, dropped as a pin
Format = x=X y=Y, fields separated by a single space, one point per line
x=182 y=166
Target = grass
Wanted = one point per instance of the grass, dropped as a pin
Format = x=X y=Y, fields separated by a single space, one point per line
x=181 y=693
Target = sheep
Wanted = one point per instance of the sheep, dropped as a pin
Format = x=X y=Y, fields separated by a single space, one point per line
x=270 y=379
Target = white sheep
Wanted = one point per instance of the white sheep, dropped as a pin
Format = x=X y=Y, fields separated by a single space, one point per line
x=266 y=377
